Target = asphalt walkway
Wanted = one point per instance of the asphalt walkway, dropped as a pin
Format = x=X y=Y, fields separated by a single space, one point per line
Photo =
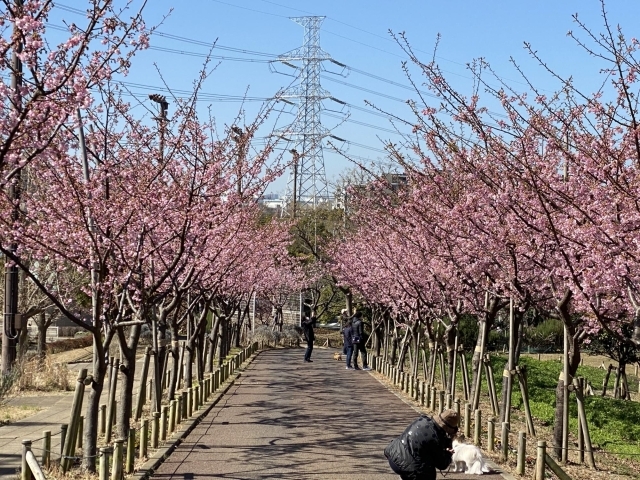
x=287 y=419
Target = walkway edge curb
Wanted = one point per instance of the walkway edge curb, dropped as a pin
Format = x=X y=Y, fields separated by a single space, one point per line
x=496 y=468
x=161 y=454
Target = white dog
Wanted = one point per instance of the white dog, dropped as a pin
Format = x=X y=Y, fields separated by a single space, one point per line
x=468 y=458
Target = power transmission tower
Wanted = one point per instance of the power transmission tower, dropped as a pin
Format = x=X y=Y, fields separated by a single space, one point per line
x=307 y=183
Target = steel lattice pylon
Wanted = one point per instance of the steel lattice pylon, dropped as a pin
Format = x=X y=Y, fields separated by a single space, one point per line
x=307 y=179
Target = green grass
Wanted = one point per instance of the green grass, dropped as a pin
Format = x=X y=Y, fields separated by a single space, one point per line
x=614 y=425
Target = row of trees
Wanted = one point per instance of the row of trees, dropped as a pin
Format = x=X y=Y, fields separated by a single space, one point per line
x=145 y=224
x=512 y=196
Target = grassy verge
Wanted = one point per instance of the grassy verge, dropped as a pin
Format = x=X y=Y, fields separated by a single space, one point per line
x=12 y=413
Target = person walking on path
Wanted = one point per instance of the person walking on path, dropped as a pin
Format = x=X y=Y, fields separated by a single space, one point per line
x=307 y=327
x=348 y=342
x=425 y=445
x=358 y=341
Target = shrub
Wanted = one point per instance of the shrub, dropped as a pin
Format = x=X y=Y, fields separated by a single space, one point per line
x=41 y=374
x=546 y=336
x=6 y=383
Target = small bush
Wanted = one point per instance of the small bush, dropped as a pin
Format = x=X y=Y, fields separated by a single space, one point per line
x=6 y=383
x=70 y=344
x=291 y=333
x=546 y=336
x=41 y=375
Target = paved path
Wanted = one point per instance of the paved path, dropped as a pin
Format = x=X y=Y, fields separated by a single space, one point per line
x=287 y=419
x=55 y=409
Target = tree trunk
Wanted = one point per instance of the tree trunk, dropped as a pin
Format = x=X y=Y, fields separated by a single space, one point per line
x=174 y=353
x=126 y=376
x=213 y=340
x=43 y=325
x=485 y=324
x=450 y=336
x=188 y=364
x=574 y=363
x=512 y=359
x=90 y=441
x=403 y=349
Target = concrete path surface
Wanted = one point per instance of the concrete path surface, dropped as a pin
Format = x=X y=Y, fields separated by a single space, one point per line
x=287 y=419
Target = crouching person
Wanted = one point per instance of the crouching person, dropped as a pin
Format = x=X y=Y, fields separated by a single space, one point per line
x=424 y=446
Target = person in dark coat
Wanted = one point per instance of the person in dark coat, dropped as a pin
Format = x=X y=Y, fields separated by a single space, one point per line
x=359 y=341
x=307 y=326
x=425 y=445
x=348 y=342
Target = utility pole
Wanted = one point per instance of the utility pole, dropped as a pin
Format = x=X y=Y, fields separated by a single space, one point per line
x=157 y=350
x=161 y=100
x=239 y=137
x=11 y=278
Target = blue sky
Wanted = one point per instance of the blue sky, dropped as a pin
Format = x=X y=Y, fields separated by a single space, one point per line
x=355 y=33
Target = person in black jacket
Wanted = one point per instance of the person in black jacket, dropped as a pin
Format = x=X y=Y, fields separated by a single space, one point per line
x=309 y=335
x=348 y=342
x=359 y=342
x=425 y=445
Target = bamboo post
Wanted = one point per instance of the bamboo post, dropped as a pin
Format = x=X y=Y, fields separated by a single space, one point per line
x=144 y=438
x=491 y=434
x=477 y=427
x=131 y=451
x=155 y=427
x=163 y=423
x=504 y=441
x=142 y=388
x=46 y=449
x=104 y=463
x=491 y=385
x=522 y=450
x=524 y=390
x=63 y=437
x=584 y=425
x=116 y=466
x=422 y=393
x=80 y=432
x=478 y=380
x=452 y=387
x=440 y=401
x=178 y=411
x=111 y=404
x=465 y=374
x=433 y=398
x=25 y=473
x=172 y=416
x=185 y=407
x=190 y=402
x=428 y=396
x=555 y=468
x=103 y=419
x=33 y=466
x=467 y=420
x=456 y=406
x=580 y=440
x=605 y=382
